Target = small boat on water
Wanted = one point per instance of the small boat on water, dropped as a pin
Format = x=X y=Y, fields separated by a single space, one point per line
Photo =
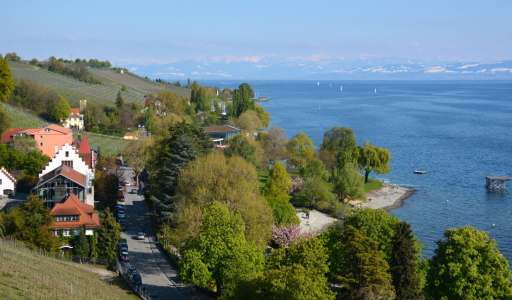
x=341 y=88
x=420 y=172
x=375 y=91
x=318 y=83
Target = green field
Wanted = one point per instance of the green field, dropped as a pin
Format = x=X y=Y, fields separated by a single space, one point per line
x=108 y=145
x=28 y=274
x=21 y=119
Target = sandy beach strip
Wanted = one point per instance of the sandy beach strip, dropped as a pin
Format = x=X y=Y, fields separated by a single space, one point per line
x=386 y=197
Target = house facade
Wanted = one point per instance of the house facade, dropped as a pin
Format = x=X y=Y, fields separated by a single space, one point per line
x=71 y=170
x=218 y=134
x=75 y=120
x=72 y=215
x=49 y=140
x=7 y=183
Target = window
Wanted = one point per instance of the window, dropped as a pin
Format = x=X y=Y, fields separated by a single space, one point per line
x=67 y=163
x=66 y=219
x=41 y=144
x=40 y=136
x=67 y=153
x=67 y=232
x=47 y=130
x=0 y=181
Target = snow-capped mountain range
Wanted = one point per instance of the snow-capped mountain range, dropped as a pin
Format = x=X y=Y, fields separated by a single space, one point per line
x=272 y=68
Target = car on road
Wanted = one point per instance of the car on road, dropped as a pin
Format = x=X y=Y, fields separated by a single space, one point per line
x=133 y=191
x=124 y=245
x=131 y=271
x=121 y=198
x=141 y=236
x=136 y=278
x=124 y=256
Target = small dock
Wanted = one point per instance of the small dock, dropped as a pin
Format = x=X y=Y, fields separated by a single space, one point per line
x=262 y=99
x=496 y=182
x=420 y=172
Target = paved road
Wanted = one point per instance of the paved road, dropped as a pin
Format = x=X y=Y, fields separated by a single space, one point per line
x=157 y=272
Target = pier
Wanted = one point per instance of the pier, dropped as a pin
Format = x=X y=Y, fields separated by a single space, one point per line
x=496 y=182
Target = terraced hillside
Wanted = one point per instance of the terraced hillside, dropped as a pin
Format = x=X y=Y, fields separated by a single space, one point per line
x=108 y=145
x=71 y=88
x=27 y=274
x=135 y=83
x=21 y=119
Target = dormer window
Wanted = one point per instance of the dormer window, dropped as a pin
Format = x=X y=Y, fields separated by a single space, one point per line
x=66 y=219
x=47 y=130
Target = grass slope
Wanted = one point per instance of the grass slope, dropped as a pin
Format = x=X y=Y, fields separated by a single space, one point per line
x=21 y=119
x=27 y=274
x=108 y=145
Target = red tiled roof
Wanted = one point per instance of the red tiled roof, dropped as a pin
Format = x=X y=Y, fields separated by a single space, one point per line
x=84 y=145
x=75 y=113
x=129 y=134
x=7 y=174
x=220 y=128
x=148 y=101
x=7 y=135
x=72 y=206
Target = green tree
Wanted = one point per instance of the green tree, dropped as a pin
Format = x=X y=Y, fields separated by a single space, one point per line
x=233 y=182
x=199 y=97
x=373 y=158
x=124 y=88
x=108 y=235
x=300 y=149
x=119 y=101
x=170 y=102
x=241 y=101
x=295 y=273
x=314 y=168
x=404 y=263
x=248 y=87
x=12 y=56
x=273 y=142
x=81 y=246
x=5 y=120
x=467 y=265
x=239 y=145
x=61 y=111
x=283 y=212
x=379 y=226
x=220 y=253
x=6 y=81
x=363 y=274
x=248 y=121
x=278 y=182
x=136 y=154
x=341 y=143
x=29 y=222
x=316 y=191
x=350 y=183
x=263 y=115
x=149 y=119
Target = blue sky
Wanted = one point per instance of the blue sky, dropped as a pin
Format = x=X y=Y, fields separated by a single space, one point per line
x=169 y=31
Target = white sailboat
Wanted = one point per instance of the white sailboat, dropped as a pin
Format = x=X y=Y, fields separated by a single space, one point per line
x=341 y=88
x=375 y=91
x=318 y=83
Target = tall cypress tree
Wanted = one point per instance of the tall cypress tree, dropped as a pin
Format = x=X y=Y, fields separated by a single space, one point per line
x=404 y=262
x=108 y=235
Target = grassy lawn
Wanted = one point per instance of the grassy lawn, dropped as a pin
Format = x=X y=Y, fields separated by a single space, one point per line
x=372 y=184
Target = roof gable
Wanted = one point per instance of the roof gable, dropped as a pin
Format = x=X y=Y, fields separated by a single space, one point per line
x=7 y=174
x=72 y=206
x=67 y=172
x=7 y=135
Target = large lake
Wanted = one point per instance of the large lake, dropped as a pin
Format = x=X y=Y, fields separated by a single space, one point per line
x=457 y=131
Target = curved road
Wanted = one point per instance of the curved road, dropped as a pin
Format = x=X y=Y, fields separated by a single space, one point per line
x=157 y=272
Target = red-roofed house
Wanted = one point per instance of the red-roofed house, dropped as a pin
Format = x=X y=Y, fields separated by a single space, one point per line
x=7 y=183
x=130 y=136
x=75 y=120
x=72 y=215
x=58 y=184
x=49 y=139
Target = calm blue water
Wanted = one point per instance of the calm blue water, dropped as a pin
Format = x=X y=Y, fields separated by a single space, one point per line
x=458 y=131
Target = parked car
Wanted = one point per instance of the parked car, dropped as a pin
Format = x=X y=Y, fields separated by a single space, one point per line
x=121 y=198
x=122 y=222
x=124 y=256
x=120 y=214
x=136 y=278
x=127 y=183
x=123 y=249
x=123 y=245
x=131 y=271
x=141 y=236
x=120 y=207
x=133 y=191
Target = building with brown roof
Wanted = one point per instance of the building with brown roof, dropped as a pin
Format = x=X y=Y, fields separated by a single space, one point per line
x=72 y=215
x=218 y=134
x=56 y=185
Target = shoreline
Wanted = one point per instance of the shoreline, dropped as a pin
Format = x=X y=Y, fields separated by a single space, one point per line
x=387 y=197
